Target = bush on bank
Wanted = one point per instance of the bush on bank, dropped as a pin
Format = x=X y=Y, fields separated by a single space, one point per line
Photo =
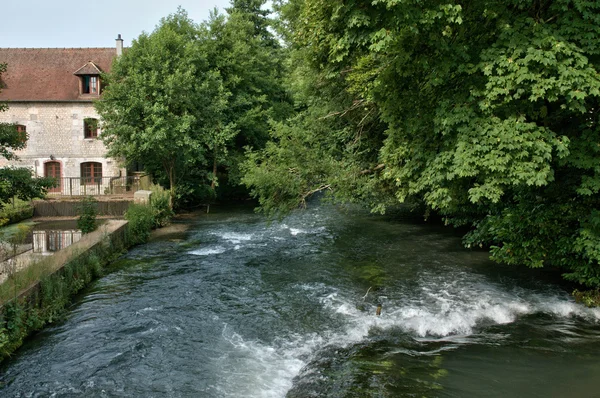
x=87 y=210
x=589 y=298
x=161 y=211
x=12 y=215
x=143 y=218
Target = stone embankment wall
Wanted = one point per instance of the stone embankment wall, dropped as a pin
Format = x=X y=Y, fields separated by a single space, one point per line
x=70 y=207
x=66 y=273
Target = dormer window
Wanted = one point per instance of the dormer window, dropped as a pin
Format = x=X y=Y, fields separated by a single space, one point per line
x=89 y=79
x=89 y=84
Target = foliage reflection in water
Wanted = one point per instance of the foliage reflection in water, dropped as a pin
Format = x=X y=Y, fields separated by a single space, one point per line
x=241 y=308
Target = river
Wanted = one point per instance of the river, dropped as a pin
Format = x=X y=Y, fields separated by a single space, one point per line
x=237 y=307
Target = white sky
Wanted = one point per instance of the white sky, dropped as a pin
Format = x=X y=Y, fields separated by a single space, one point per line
x=89 y=23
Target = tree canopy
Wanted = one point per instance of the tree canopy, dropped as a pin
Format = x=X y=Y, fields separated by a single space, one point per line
x=486 y=112
x=160 y=101
x=185 y=99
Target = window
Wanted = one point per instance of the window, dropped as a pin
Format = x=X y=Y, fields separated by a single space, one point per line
x=53 y=240
x=91 y=173
x=90 y=128
x=94 y=84
x=22 y=133
x=52 y=169
x=89 y=84
x=89 y=79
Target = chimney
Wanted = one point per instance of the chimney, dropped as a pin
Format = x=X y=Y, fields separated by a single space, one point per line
x=119 y=46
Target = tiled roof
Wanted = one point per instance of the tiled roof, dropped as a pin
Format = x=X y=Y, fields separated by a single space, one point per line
x=47 y=74
x=88 y=69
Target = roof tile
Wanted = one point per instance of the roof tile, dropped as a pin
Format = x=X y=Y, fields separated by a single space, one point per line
x=88 y=69
x=47 y=74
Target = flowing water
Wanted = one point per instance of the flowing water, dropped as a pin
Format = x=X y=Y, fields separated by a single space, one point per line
x=241 y=308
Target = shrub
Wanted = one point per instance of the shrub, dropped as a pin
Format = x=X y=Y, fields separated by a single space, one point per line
x=141 y=220
x=88 y=209
x=12 y=215
x=161 y=210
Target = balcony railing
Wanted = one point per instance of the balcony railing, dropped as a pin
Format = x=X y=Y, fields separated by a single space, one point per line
x=83 y=186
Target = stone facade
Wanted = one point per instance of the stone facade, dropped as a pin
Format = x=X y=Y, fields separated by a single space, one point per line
x=51 y=93
x=56 y=133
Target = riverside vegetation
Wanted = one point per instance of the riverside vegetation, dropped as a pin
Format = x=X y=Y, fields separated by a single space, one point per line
x=18 y=211
x=484 y=113
x=88 y=210
x=48 y=292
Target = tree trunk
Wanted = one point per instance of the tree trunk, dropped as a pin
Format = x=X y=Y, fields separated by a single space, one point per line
x=214 y=178
x=171 y=173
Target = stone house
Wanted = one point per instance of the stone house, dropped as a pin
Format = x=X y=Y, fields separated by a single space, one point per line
x=50 y=93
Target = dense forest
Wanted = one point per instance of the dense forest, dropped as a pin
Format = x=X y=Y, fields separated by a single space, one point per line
x=484 y=113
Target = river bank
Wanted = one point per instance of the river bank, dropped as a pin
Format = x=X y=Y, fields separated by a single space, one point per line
x=38 y=288
x=37 y=294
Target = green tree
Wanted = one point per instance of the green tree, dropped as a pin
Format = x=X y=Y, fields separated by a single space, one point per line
x=249 y=60
x=161 y=101
x=254 y=12
x=18 y=182
x=185 y=99
x=484 y=111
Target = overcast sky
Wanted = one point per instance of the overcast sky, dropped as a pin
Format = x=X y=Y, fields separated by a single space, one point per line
x=89 y=23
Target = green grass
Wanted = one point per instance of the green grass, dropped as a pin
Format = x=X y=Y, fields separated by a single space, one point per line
x=25 y=278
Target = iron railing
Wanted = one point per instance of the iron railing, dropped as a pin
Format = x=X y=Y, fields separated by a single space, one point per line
x=83 y=186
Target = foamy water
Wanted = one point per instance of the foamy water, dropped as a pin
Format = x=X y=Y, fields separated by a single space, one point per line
x=455 y=306
x=208 y=251
x=269 y=370
x=274 y=367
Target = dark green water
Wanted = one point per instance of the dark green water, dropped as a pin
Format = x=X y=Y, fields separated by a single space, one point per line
x=239 y=308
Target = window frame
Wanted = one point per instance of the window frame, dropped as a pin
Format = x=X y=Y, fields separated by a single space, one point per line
x=22 y=132
x=93 y=84
x=91 y=173
x=89 y=132
x=90 y=84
